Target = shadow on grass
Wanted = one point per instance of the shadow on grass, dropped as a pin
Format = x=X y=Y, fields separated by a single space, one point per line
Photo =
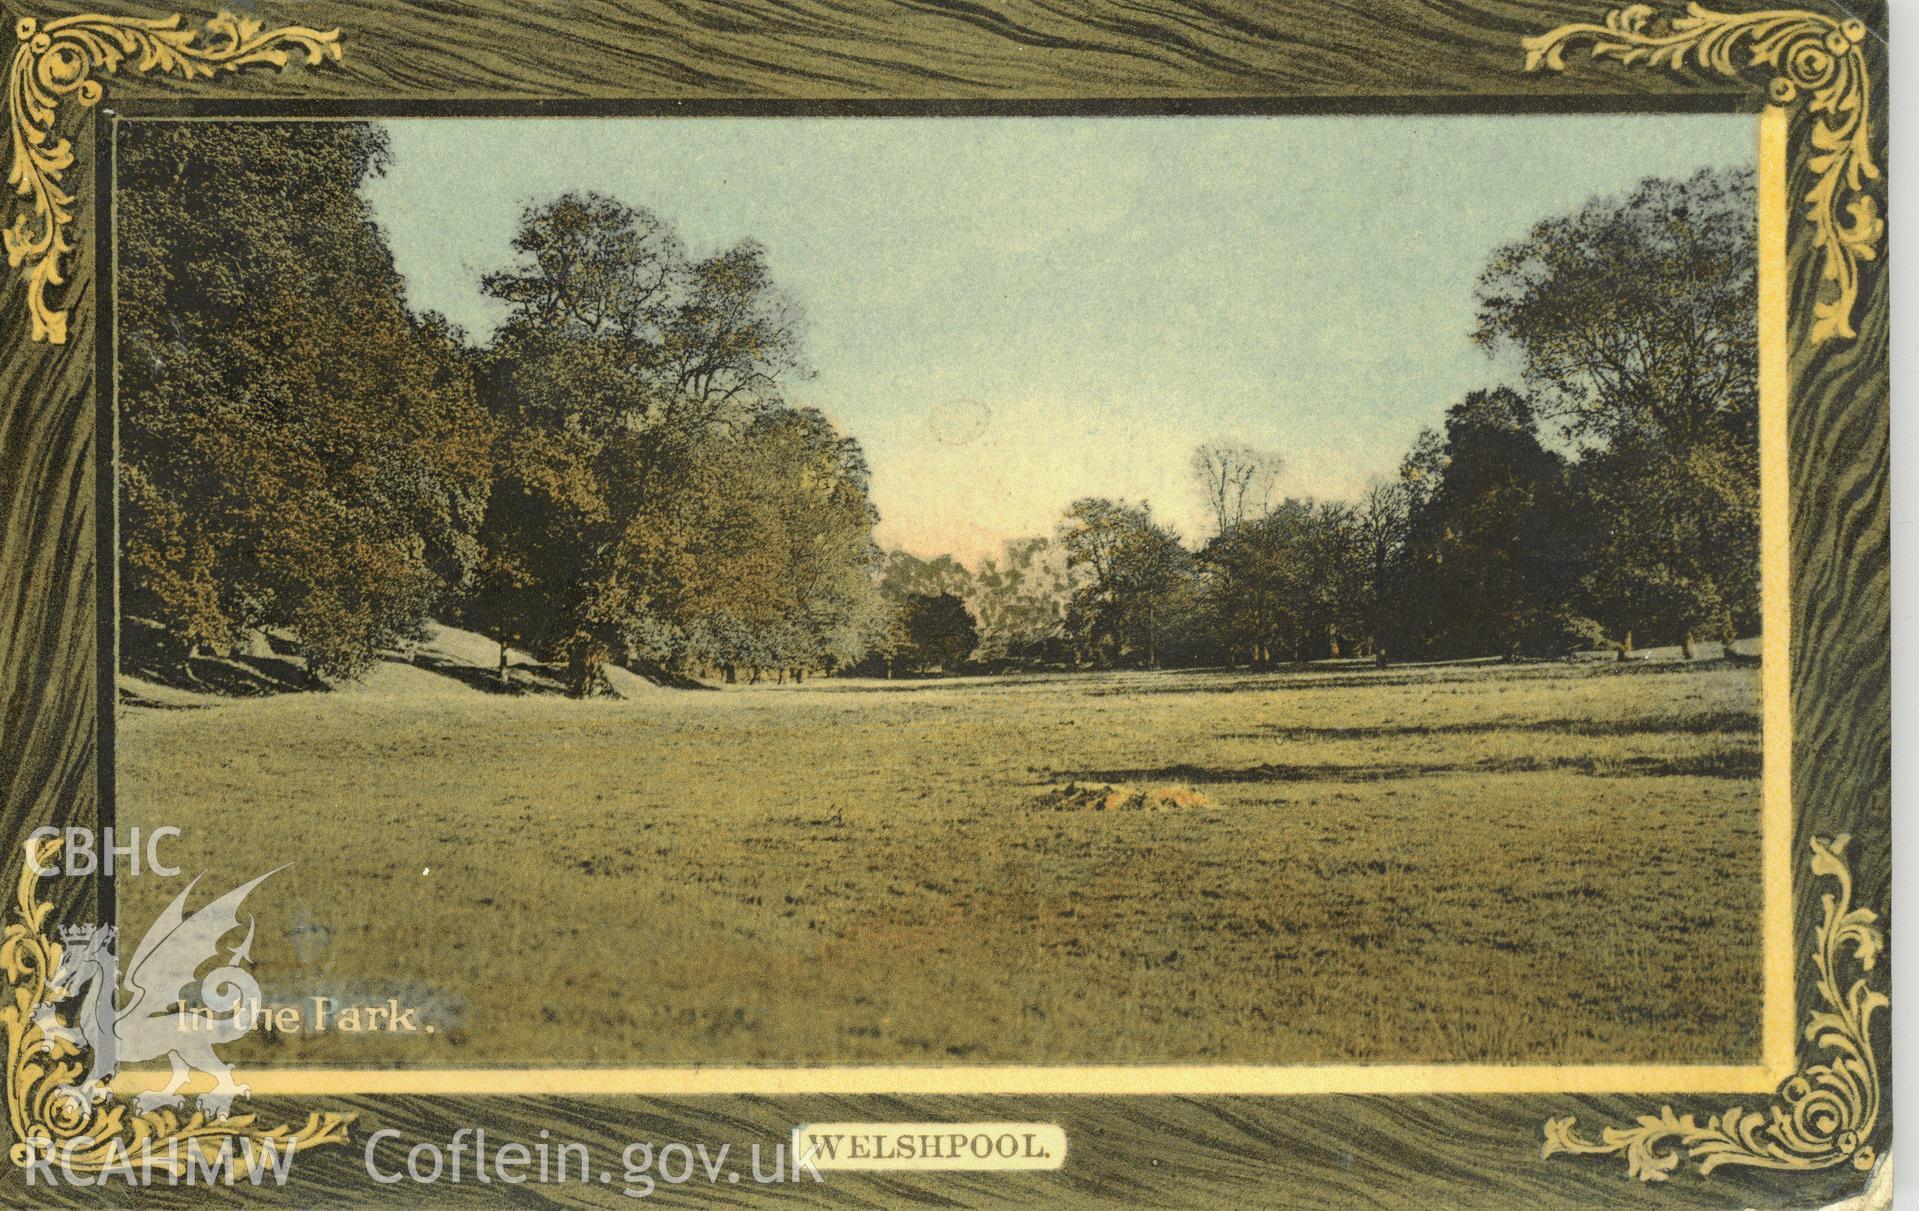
x=1709 y=722
x=129 y=696
x=144 y=655
x=521 y=679
x=273 y=666
x=1735 y=763
x=1352 y=675
x=918 y=683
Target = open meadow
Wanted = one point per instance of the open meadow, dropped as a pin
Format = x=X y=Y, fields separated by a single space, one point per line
x=1468 y=862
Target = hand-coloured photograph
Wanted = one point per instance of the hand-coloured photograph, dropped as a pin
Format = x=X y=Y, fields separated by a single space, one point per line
x=952 y=591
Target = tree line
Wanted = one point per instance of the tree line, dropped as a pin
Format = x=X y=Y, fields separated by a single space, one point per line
x=1607 y=498
x=617 y=475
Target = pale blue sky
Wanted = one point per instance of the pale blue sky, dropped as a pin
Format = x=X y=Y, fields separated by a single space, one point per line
x=1111 y=290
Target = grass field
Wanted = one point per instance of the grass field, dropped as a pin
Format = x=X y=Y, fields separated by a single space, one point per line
x=1465 y=862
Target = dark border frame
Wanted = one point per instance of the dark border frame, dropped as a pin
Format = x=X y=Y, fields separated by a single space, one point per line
x=1292 y=57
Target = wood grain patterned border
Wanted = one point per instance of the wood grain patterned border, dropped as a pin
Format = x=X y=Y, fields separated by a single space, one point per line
x=1026 y=56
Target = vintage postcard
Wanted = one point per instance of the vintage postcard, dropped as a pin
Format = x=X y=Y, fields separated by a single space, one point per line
x=995 y=605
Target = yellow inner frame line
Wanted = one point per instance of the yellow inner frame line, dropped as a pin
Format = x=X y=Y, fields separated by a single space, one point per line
x=1778 y=1058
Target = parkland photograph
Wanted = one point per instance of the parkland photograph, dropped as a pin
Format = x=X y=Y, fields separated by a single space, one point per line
x=947 y=591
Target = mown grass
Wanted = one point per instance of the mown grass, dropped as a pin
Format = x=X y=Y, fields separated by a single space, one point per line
x=1548 y=863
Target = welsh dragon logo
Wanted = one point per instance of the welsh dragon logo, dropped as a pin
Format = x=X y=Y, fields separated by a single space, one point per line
x=135 y=1016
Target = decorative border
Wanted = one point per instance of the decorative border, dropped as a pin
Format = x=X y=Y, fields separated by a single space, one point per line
x=59 y=59
x=1806 y=52
x=90 y=1130
x=1826 y=1113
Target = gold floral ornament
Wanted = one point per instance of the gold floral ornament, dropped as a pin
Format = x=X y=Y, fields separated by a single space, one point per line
x=1822 y=58
x=57 y=1119
x=58 y=60
x=1826 y=1114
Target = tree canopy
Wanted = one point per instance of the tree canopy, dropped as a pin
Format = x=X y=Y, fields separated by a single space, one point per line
x=299 y=450
x=658 y=501
x=1635 y=321
x=615 y=475
x=618 y=474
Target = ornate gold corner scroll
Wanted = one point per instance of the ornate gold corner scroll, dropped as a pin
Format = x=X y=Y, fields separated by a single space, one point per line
x=1807 y=53
x=1826 y=1113
x=57 y=60
x=56 y=1120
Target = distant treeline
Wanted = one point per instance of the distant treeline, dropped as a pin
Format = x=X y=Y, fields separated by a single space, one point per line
x=616 y=475
x=1608 y=498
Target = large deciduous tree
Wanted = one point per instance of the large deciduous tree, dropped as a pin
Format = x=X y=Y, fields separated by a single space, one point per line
x=659 y=502
x=939 y=632
x=1492 y=548
x=1129 y=600
x=1635 y=323
x=759 y=548
x=1291 y=582
x=300 y=452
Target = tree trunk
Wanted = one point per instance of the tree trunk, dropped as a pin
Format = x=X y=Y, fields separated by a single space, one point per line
x=503 y=675
x=586 y=674
x=1686 y=646
x=186 y=663
x=1625 y=646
